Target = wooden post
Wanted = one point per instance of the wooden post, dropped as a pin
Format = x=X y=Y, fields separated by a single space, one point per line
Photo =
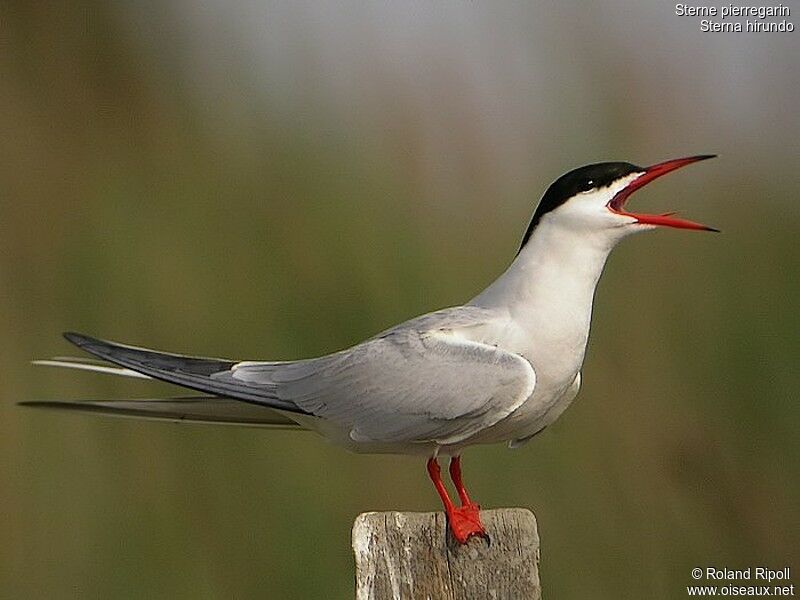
x=402 y=556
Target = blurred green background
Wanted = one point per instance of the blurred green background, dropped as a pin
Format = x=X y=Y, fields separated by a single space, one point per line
x=277 y=181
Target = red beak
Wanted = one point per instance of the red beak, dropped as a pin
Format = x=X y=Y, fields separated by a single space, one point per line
x=617 y=204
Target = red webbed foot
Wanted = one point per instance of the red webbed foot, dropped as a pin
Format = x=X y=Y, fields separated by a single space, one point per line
x=465 y=522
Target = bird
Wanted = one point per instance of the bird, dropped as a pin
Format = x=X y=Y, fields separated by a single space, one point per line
x=498 y=369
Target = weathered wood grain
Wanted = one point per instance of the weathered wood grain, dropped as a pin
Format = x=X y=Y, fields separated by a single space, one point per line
x=404 y=556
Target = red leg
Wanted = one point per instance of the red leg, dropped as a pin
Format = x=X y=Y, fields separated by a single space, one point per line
x=465 y=520
x=455 y=475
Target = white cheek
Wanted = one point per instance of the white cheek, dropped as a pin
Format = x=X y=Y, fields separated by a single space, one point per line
x=590 y=210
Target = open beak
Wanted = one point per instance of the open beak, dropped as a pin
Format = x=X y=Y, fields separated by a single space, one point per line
x=617 y=203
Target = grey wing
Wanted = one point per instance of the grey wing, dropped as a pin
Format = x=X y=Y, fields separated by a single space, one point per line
x=190 y=409
x=417 y=382
x=193 y=372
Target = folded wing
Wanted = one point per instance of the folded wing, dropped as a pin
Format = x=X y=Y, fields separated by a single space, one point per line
x=188 y=371
x=420 y=382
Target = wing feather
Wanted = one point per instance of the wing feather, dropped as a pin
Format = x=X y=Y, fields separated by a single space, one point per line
x=405 y=385
x=190 y=409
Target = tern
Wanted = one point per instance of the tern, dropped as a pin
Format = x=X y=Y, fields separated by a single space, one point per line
x=500 y=368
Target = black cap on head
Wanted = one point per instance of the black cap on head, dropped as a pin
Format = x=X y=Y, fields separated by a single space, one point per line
x=582 y=179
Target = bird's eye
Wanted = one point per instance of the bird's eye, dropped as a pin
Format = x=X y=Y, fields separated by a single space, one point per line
x=587 y=185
